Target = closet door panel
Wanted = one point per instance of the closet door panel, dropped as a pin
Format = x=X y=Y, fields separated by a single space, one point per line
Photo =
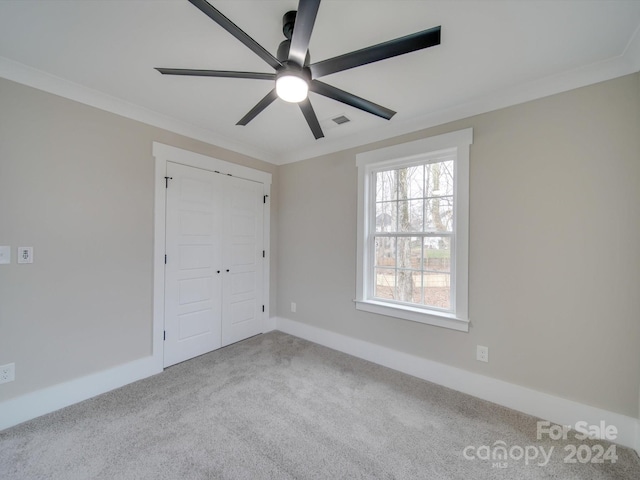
x=193 y=296
x=242 y=291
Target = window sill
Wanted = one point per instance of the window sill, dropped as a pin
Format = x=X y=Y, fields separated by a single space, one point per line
x=432 y=317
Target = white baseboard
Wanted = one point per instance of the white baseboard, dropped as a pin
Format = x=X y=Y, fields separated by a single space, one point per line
x=270 y=324
x=547 y=407
x=32 y=405
x=526 y=400
x=50 y=399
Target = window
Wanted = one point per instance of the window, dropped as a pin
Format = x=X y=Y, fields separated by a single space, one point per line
x=413 y=223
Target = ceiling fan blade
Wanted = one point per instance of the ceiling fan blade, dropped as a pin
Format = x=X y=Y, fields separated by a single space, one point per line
x=260 y=106
x=303 y=26
x=375 y=53
x=234 y=30
x=350 y=99
x=216 y=73
x=312 y=120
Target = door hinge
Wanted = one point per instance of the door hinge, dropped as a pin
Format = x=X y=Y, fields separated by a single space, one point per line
x=263 y=308
x=166 y=181
x=263 y=254
x=165 y=259
x=165 y=335
x=264 y=199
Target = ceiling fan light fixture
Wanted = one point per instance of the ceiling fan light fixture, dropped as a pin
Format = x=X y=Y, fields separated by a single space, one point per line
x=292 y=86
x=295 y=75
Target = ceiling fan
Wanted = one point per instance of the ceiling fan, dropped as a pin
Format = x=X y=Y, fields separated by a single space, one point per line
x=294 y=76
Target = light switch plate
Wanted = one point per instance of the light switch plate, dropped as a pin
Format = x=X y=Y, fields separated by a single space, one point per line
x=25 y=254
x=5 y=254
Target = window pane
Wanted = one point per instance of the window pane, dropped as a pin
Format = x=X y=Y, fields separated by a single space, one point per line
x=439 y=214
x=386 y=216
x=404 y=179
x=410 y=215
x=437 y=289
x=408 y=288
x=385 y=252
x=416 y=253
x=386 y=186
x=439 y=178
x=409 y=252
x=437 y=254
x=385 y=283
x=411 y=182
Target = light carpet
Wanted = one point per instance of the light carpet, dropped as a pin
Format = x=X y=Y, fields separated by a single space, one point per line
x=279 y=407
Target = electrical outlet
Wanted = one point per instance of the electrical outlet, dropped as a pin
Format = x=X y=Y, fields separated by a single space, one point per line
x=293 y=307
x=7 y=373
x=482 y=353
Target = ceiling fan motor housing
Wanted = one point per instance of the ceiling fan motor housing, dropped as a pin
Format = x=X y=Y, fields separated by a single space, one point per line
x=294 y=70
x=283 y=53
x=288 y=22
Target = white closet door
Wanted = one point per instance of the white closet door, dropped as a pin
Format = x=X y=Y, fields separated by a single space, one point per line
x=194 y=229
x=242 y=289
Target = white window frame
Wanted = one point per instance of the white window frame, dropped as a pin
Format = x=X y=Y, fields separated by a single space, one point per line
x=398 y=156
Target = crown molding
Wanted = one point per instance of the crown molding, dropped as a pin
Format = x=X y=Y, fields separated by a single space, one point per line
x=626 y=63
x=25 y=75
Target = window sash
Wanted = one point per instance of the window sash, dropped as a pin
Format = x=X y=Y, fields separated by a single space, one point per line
x=371 y=280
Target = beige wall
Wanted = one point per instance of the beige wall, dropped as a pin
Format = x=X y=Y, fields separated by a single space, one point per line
x=554 y=257
x=554 y=263
x=76 y=183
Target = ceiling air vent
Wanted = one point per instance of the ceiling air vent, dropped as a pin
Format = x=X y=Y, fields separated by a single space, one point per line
x=340 y=120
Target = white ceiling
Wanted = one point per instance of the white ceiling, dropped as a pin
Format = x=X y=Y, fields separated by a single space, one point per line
x=493 y=54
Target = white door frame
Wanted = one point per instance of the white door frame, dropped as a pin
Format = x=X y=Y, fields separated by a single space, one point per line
x=166 y=153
